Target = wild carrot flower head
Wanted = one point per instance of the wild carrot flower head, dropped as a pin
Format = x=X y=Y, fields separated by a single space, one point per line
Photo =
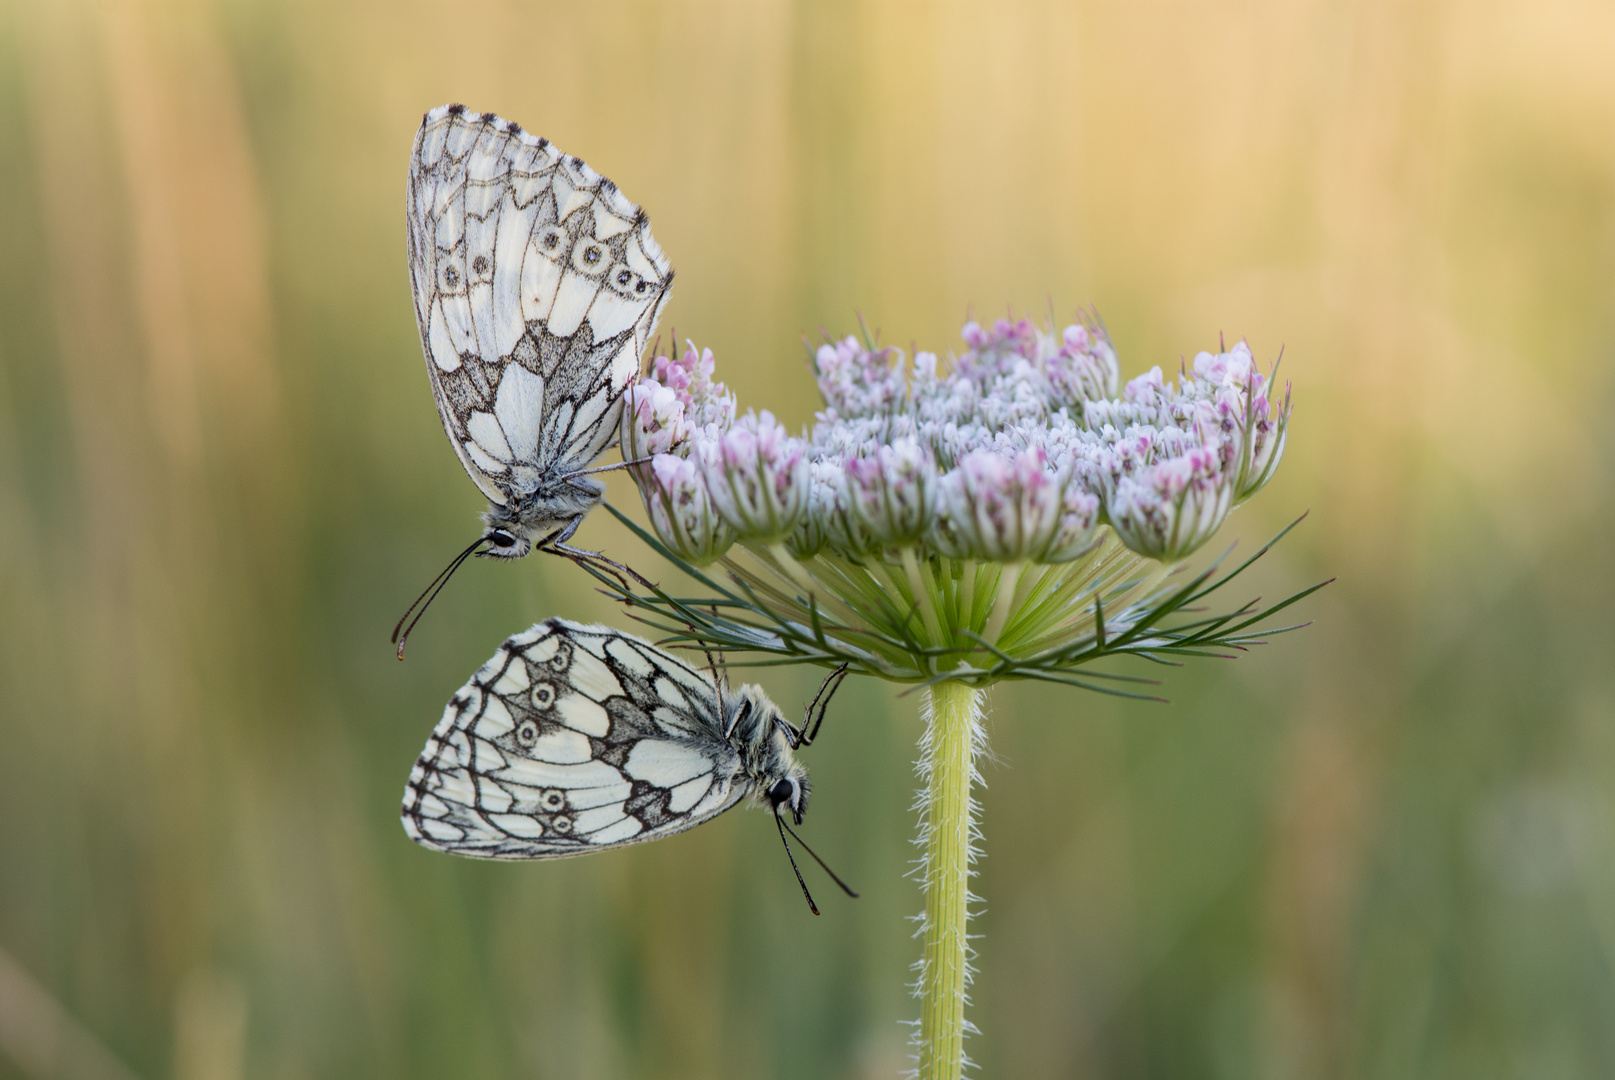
x=999 y=501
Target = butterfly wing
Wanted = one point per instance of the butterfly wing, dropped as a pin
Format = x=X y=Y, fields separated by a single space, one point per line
x=572 y=739
x=537 y=285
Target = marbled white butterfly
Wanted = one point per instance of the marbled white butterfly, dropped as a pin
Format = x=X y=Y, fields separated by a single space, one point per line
x=578 y=738
x=537 y=285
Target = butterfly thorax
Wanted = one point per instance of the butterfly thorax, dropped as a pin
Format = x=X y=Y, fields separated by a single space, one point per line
x=757 y=732
x=549 y=514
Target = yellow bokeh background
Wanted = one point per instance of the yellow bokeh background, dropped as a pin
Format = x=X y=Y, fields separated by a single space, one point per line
x=1378 y=847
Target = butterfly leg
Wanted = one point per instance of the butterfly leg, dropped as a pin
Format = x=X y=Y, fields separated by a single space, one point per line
x=556 y=543
x=821 y=704
x=595 y=560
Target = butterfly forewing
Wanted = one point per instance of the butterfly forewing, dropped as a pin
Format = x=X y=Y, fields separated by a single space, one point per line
x=572 y=739
x=537 y=285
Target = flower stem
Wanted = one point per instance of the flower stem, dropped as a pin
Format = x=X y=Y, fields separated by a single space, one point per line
x=953 y=737
x=922 y=597
x=792 y=567
x=1009 y=578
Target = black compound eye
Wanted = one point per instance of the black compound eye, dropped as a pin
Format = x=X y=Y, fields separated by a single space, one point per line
x=781 y=794
x=527 y=733
x=501 y=539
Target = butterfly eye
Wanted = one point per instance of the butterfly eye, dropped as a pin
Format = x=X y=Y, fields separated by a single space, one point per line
x=543 y=697
x=782 y=794
x=590 y=257
x=499 y=538
x=527 y=733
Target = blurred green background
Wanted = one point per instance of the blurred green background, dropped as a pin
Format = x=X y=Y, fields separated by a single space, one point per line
x=1381 y=847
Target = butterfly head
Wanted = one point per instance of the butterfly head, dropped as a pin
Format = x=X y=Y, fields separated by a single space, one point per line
x=758 y=730
x=790 y=793
x=542 y=518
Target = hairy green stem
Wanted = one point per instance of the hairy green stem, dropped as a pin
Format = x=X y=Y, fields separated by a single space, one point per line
x=953 y=737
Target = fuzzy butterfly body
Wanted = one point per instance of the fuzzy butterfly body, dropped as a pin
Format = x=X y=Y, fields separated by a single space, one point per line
x=537 y=285
x=577 y=738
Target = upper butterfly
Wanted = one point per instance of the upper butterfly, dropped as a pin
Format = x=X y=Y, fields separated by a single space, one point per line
x=537 y=285
x=578 y=738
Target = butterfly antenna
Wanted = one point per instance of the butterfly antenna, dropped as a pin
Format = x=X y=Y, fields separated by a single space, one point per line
x=424 y=600
x=833 y=876
x=821 y=702
x=809 y=896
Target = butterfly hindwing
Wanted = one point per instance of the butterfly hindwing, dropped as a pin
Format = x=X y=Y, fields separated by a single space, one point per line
x=572 y=739
x=537 y=285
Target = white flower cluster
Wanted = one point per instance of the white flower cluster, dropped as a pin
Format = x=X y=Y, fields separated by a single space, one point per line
x=1016 y=451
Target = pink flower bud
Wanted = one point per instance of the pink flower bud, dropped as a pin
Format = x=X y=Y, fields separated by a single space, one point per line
x=1146 y=388
x=1084 y=367
x=758 y=478
x=652 y=420
x=707 y=403
x=681 y=511
x=1232 y=368
x=996 y=352
x=857 y=381
x=1230 y=396
x=1078 y=529
x=1268 y=430
x=892 y=494
x=812 y=532
x=1169 y=509
x=999 y=508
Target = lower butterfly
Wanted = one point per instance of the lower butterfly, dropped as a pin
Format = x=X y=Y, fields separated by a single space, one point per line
x=578 y=738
